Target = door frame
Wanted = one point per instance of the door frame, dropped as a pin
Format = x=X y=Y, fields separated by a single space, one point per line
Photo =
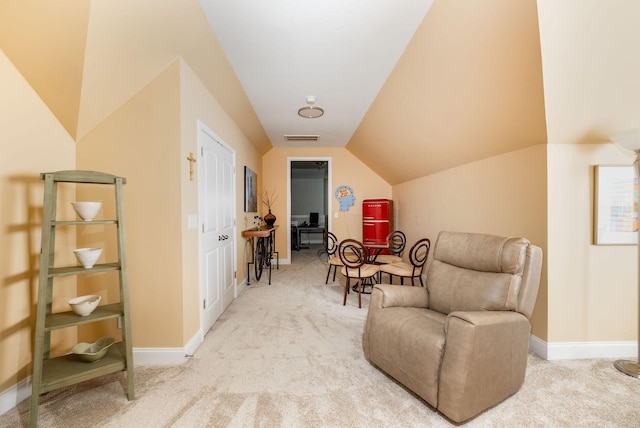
x=203 y=128
x=327 y=159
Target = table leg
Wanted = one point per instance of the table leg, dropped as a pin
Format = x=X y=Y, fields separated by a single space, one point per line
x=270 y=252
x=299 y=243
x=251 y=261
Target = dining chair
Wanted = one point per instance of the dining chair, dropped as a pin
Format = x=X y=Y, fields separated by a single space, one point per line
x=417 y=259
x=397 y=241
x=354 y=256
x=331 y=248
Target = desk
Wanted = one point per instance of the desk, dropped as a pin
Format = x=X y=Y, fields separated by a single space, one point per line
x=307 y=230
x=262 y=250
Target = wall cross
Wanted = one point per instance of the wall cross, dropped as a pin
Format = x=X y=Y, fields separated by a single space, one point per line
x=191 y=160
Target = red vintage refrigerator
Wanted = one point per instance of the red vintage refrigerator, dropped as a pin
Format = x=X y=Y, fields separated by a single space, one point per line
x=377 y=221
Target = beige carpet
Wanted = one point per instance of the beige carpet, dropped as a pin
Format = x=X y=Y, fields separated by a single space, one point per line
x=289 y=355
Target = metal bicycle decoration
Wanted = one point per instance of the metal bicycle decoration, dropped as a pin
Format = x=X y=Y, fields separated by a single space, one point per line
x=262 y=242
x=262 y=257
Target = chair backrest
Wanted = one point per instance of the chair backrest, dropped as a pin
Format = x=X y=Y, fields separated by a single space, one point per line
x=418 y=255
x=330 y=243
x=397 y=241
x=353 y=253
x=473 y=272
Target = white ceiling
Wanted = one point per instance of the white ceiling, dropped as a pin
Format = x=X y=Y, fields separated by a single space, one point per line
x=340 y=51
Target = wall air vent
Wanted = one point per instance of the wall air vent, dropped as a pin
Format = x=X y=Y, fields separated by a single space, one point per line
x=301 y=137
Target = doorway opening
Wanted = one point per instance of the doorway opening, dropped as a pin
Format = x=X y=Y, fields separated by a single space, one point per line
x=308 y=202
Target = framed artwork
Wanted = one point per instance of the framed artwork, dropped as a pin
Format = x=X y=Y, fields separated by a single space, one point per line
x=615 y=219
x=250 y=191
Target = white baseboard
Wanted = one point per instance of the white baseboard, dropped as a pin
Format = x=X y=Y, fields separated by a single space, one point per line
x=167 y=356
x=14 y=395
x=582 y=350
x=538 y=346
x=194 y=343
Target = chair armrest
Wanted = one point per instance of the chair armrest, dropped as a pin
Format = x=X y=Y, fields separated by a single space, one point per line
x=484 y=318
x=484 y=361
x=388 y=296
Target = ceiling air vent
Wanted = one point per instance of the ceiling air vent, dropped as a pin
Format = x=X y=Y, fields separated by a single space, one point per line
x=301 y=137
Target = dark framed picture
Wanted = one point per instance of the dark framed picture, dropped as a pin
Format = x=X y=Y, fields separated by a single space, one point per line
x=250 y=191
x=615 y=221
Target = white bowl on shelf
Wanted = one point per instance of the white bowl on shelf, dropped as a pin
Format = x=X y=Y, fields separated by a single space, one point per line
x=87 y=256
x=84 y=305
x=90 y=352
x=87 y=210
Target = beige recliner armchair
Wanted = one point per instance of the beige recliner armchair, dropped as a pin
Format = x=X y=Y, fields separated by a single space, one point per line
x=461 y=343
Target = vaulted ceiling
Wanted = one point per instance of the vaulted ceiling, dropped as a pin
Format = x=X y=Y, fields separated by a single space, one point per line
x=338 y=52
x=467 y=85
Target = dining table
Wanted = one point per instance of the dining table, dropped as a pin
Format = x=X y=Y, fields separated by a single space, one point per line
x=374 y=250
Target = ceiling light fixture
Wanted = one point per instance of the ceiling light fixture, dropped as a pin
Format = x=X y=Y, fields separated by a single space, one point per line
x=310 y=112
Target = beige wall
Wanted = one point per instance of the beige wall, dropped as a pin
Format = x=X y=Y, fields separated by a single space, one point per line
x=590 y=67
x=199 y=105
x=31 y=141
x=147 y=141
x=346 y=169
x=141 y=142
x=592 y=89
x=593 y=297
x=46 y=42
x=468 y=86
x=503 y=195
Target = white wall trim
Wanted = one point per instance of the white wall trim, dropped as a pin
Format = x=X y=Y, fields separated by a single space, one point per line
x=538 y=346
x=582 y=350
x=158 y=356
x=14 y=395
x=194 y=343
x=167 y=356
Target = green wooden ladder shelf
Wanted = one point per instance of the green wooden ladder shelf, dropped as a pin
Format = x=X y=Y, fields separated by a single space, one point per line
x=53 y=373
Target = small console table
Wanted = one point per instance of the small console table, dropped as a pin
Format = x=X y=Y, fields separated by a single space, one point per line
x=263 y=243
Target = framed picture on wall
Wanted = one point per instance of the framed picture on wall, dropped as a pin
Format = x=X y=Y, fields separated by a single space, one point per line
x=250 y=191
x=615 y=220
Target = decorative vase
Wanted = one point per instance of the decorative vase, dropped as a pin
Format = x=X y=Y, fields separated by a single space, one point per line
x=269 y=219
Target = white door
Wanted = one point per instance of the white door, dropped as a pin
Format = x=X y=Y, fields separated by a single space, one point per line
x=217 y=203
